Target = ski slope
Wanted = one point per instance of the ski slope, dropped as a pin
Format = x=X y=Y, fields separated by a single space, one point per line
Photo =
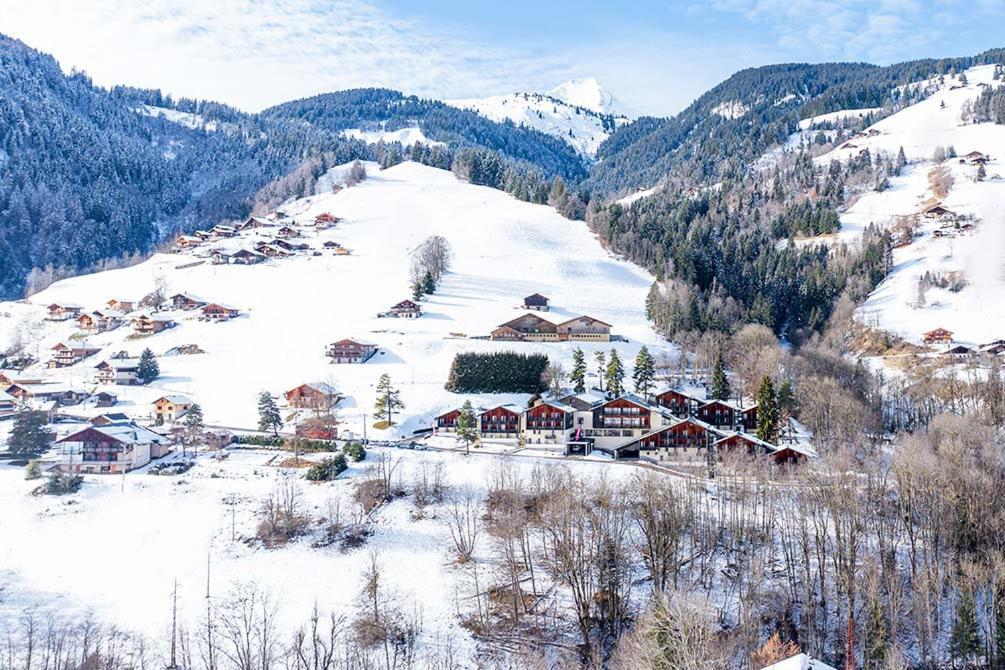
x=504 y=249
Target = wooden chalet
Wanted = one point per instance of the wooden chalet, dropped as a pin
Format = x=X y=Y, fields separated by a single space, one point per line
x=64 y=356
x=447 y=422
x=326 y=218
x=170 y=408
x=8 y=403
x=46 y=392
x=743 y=442
x=747 y=417
x=500 y=422
x=611 y=421
x=679 y=404
x=959 y=351
x=312 y=395
x=246 y=257
x=217 y=312
x=147 y=325
x=105 y=399
x=121 y=306
x=287 y=232
x=937 y=336
x=120 y=371
x=219 y=258
x=331 y=244
x=582 y=402
x=976 y=158
x=937 y=211
x=203 y=235
x=717 y=413
x=350 y=351
x=406 y=309
x=994 y=348
x=109 y=417
x=58 y=312
x=528 y=327
x=95 y=322
x=255 y=222
x=291 y=247
x=688 y=435
x=221 y=230
x=584 y=328
x=272 y=251
x=111 y=449
x=549 y=421
x=186 y=301
x=187 y=241
x=536 y=301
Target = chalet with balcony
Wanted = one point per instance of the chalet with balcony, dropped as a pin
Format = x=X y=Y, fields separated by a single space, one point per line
x=743 y=443
x=312 y=395
x=170 y=408
x=63 y=312
x=186 y=301
x=64 y=356
x=287 y=232
x=120 y=371
x=549 y=422
x=216 y=312
x=246 y=257
x=747 y=417
x=529 y=328
x=221 y=230
x=584 y=328
x=41 y=392
x=447 y=422
x=536 y=301
x=502 y=422
x=350 y=351
x=148 y=325
x=718 y=413
x=8 y=403
x=678 y=403
x=112 y=448
x=187 y=241
x=406 y=309
x=120 y=306
x=937 y=336
x=683 y=439
x=96 y=322
x=104 y=399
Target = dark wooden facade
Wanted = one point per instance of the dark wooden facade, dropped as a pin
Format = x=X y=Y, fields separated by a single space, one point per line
x=546 y=416
x=500 y=421
x=621 y=413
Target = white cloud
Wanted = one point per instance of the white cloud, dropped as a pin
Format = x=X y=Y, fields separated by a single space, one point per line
x=254 y=53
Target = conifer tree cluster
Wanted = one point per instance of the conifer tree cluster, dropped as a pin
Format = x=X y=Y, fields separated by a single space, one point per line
x=497 y=372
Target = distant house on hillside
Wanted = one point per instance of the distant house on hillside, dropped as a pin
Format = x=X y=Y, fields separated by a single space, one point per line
x=287 y=232
x=186 y=301
x=350 y=351
x=63 y=312
x=64 y=356
x=959 y=351
x=247 y=257
x=121 y=371
x=312 y=395
x=148 y=325
x=937 y=211
x=104 y=399
x=536 y=301
x=220 y=258
x=678 y=403
x=121 y=306
x=187 y=241
x=221 y=230
x=993 y=348
x=406 y=309
x=976 y=158
x=112 y=448
x=170 y=408
x=217 y=312
x=937 y=336
x=96 y=322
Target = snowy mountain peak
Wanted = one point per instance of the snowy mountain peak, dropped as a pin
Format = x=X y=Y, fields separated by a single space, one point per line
x=589 y=94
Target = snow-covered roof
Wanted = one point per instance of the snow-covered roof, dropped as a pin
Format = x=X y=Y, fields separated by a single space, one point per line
x=127 y=433
x=174 y=399
x=799 y=662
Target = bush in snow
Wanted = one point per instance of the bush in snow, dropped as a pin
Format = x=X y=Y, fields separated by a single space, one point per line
x=329 y=468
x=354 y=451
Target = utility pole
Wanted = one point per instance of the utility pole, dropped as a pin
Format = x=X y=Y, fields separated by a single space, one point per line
x=173 y=665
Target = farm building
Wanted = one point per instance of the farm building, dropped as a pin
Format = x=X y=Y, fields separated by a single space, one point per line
x=350 y=351
x=536 y=301
x=312 y=395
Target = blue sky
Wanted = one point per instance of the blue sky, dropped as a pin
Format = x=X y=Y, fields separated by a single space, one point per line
x=655 y=56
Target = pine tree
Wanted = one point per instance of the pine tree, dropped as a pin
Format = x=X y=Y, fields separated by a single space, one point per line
x=147 y=370
x=388 y=399
x=767 y=411
x=614 y=375
x=578 y=374
x=28 y=436
x=601 y=358
x=877 y=639
x=982 y=174
x=786 y=397
x=644 y=373
x=428 y=284
x=269 y=418
x=467 y=425
x=901 y=160
x=720 y=383
x=194 y=424
x=965 y=639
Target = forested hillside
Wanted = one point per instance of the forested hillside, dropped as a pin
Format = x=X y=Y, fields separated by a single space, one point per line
x=90 y=176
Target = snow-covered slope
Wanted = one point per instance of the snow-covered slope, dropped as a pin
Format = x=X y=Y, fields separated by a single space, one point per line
x=580 y=112
x=187 y=119
x=404 y=136
x=504 y=250
x=968 y=247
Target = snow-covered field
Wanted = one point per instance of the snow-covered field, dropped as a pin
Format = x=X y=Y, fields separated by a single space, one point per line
x=116 y=548
x=504 y=250
x=406 y=137
x=976 y=314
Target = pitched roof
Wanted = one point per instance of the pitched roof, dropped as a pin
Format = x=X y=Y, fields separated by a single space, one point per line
x=585 y=317
x=127 y=433
x=174 y=399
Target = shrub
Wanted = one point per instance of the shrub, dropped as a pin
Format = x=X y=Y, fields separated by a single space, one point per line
x=33 y=471
x=60 y=484
x=354 y=451
x=329 y=468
